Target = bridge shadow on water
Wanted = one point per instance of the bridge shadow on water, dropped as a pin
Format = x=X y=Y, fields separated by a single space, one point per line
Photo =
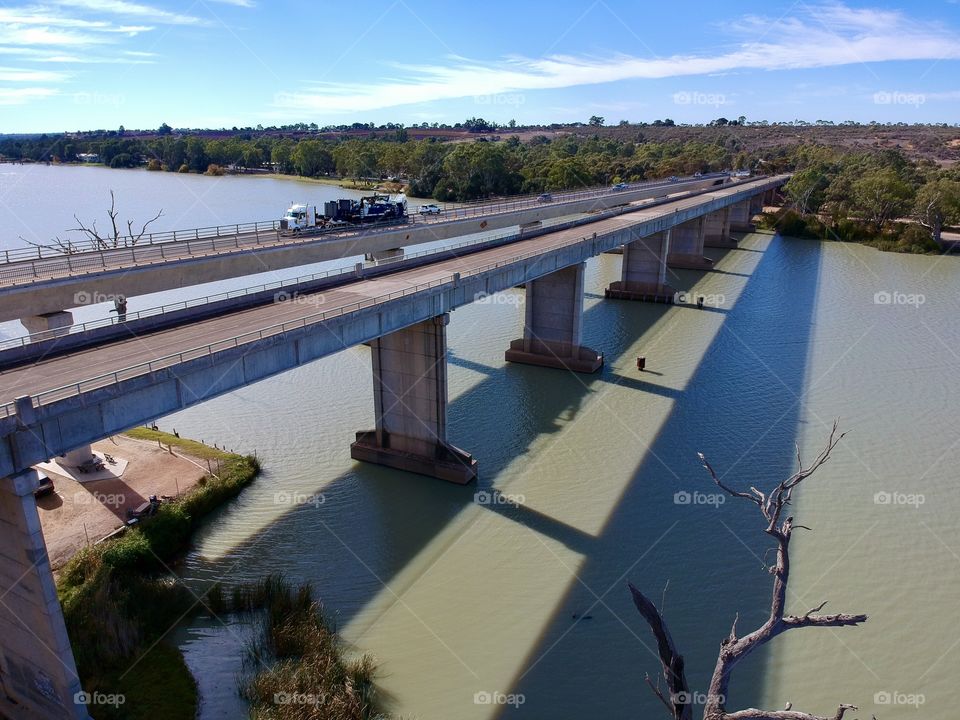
x=740 y=408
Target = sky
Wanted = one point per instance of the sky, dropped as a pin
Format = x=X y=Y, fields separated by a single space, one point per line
x=69 y=65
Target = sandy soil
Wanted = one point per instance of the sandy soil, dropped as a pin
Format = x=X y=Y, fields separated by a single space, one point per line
x=74 y=513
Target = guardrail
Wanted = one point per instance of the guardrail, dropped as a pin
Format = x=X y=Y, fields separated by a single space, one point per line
x=449 y=211
x=78 y=388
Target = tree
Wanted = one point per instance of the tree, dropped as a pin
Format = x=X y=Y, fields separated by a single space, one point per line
x=735 y=648
x=880 y=195
x=806 y=188
x=937 y=204
x=596 y=121
x=164 y=129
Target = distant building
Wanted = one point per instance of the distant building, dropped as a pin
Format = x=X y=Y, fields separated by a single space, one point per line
x=88 y=157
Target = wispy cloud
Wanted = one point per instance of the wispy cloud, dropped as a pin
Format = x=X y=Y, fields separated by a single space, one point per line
x=819 y=36
x=19 y=96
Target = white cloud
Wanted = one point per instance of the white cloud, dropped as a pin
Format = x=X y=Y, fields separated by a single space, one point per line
x=124 y=8
x=8 y=74
x=821 y=36
x=19 y=96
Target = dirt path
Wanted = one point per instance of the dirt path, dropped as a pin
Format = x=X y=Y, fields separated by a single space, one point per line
x=76 y=513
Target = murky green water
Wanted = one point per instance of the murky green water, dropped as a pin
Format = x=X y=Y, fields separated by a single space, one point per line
x=457 y=598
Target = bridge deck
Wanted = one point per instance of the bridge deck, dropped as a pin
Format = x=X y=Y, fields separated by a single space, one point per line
x=73 y=368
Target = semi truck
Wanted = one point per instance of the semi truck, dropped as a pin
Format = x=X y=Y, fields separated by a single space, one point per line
x=374 y=208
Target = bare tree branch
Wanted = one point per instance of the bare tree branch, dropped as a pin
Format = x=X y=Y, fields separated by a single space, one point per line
x=733 y=649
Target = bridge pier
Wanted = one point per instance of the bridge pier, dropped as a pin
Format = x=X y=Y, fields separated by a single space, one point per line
x=686 y=246
x=553 y=324
x=38 y=675
x=716 y=231
x=59 y=322
x=644 y=270
x=410 y=399
x=741 y=214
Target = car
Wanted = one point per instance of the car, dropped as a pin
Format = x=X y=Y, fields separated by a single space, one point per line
x=619 y=186
x=545 y=198
x=430 y=209
x=46 y=485
x=673 y=178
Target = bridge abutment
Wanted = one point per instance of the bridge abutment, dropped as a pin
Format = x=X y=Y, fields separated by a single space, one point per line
x=58 y=322
x=644 y=270
x=686 y=246
x=38 y=675
x=410 y=398
x=553 y=324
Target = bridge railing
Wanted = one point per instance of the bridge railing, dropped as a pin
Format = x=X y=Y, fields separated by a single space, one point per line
x=117 y=376
x=76 y=250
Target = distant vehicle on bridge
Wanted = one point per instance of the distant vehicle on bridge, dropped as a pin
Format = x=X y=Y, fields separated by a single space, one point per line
x=430 y=209
x=545 y=198
x=374 y=208
x=619 y=186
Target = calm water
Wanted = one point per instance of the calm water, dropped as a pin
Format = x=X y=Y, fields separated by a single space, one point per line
x=456 y=598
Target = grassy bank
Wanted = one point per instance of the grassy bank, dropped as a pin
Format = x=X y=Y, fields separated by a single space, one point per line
x=297 y=665
x=119 y=600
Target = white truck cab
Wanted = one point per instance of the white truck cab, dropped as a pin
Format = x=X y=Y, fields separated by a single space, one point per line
x=299 y=217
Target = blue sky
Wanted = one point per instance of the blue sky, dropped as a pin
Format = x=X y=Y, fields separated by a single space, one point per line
x=87 y=64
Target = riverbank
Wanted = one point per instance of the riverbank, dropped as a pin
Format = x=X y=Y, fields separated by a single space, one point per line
x=119 y=599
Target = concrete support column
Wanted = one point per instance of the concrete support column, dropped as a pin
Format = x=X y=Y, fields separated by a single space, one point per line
x=644 y=270
x=716 y=230
x=53 y=324
x=740 y=217
x=686 y=246
x=77 y=457
x=756 y=204
x=410 y=398
x=553 y=324
x=37 y=670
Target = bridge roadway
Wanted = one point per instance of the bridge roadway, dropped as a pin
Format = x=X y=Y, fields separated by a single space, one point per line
x=67 y=370
x=33 y=287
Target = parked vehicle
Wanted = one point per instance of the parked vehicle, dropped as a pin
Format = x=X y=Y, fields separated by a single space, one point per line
x=545 y=198
x=46 y=485
x=430 y=209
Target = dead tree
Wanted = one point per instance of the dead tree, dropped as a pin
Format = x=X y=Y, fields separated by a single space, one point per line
x=734 y=648
x=114 y=239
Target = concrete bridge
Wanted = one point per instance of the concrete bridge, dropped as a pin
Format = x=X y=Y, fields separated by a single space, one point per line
x=38 y=285
x=66 y=402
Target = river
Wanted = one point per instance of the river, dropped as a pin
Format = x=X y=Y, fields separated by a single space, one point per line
x=462 y=600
